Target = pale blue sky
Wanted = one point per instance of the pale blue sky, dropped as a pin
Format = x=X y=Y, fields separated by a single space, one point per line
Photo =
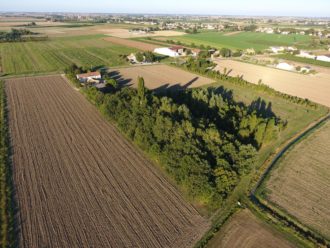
x=220 y=7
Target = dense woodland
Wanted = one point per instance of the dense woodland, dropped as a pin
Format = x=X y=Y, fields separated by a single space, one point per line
x=202 y=137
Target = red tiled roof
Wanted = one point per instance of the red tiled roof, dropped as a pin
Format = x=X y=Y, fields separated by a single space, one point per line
x=176 y=48
x=89 y=74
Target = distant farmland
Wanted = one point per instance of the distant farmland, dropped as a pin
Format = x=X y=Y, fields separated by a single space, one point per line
x=79 y=183
x=243 y=40
x=58 y=53
x=245 y=230
x=300 y=182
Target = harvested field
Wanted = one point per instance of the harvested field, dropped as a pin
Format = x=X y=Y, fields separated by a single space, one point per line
x=132 y=43
x=300 y=183
x=79 y=183
x=158 y=77
x=244 y=230
x=125 y=33
x=314 y=87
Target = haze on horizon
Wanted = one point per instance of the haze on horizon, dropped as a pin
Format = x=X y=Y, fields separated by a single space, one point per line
x=316 y=8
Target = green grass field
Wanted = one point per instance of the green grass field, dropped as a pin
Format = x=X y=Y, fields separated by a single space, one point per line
x=244 y=40
x=56 y=54
x=303 y=60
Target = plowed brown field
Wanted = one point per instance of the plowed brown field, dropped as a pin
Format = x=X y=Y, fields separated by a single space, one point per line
x=79 y=183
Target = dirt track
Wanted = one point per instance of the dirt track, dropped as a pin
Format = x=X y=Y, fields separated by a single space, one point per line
x=79 y=183
x=132 y=43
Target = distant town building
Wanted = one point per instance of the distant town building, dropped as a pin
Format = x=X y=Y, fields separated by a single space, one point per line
x=277 y=49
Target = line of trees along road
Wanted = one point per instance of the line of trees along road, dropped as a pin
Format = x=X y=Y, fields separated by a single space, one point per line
x=204 y=140
x=7 y=238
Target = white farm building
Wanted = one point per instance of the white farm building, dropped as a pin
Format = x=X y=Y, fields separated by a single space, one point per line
x=166 y=51
x=174 y=51
x=285 y=66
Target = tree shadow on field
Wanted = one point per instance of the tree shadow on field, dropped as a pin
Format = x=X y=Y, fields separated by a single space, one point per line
x=262 y=108
x=175 y=87
x=225 y=93
x=122 y=81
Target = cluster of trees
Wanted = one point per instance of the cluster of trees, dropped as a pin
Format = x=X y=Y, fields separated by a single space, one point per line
x=226 y=53
x=197 y=65
x=251 y=28
x=16 y=35
x=192 y=45
x=202 y=138
x=191 y=31
x=6 y=208
x=148 y=57
x=202 y=64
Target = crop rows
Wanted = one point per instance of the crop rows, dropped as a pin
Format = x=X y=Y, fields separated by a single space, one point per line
x=79 y=183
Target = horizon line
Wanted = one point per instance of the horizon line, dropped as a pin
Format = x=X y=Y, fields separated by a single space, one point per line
x=161 y=14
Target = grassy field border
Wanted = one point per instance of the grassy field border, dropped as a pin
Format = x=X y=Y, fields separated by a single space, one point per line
x=7 y=203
